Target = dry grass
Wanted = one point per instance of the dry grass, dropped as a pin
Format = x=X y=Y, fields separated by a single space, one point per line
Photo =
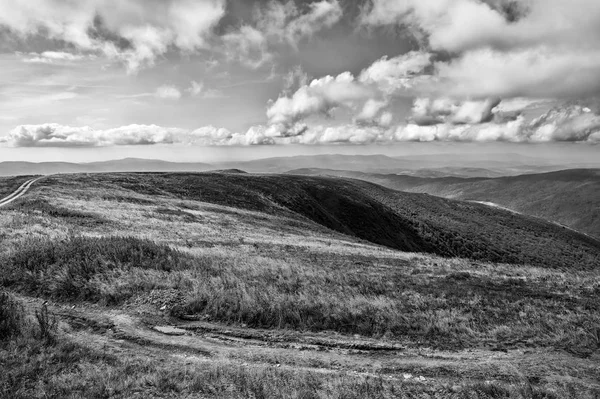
x=237 y=267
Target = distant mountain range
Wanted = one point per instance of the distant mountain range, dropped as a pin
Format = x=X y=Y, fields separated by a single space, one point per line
x=569 y=197
x=439 y=165
x=122 y=165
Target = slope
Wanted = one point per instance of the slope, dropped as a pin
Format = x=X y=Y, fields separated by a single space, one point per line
x=404 y=221
x=569 y=197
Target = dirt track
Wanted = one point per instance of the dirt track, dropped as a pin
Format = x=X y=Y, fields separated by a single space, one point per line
x=133 y=333
x=19 y=192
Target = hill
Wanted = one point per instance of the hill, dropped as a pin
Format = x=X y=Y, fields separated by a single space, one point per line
x=569 y=197
x=404 y=221
x=123 y=165
x=228 y=285
x=441 y=165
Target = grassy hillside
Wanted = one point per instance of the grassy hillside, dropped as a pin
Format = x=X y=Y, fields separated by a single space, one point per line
x=9 y=184
x=569 y=197
x=269 y=302
x=404 y=221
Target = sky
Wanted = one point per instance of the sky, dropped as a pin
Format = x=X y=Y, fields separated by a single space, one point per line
x=220 y=79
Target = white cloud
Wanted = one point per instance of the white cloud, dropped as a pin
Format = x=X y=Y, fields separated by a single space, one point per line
x=195 y=88
x=133 y=31
x=198 y=89
x=278 y=23
x=428 y=111
x=546 y=48
x=394 y=74
x=55 y=135
x=168 y=92
x=320 y=96
x=53 y=57
x=573 y=123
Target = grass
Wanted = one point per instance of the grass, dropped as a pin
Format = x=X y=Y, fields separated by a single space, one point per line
x=66 y=215
x=403 y=300
x=35 y=367
x=272 y=268
x=9 y=184
x=403 y=221
x=75 y=268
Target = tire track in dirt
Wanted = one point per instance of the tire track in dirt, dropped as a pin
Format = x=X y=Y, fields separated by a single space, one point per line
x=18 y=193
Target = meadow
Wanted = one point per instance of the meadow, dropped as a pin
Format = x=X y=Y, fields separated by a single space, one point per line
x=273 y=303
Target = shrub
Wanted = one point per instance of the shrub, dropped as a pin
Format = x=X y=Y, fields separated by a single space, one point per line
x=11 y=317
x=66 y=269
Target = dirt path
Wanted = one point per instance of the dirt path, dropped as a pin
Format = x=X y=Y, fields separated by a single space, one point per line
x=19 y=192
x=131 y=333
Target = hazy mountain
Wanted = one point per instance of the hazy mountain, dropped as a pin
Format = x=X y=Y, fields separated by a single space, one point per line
x=122 y=165
x=570 y=197
x=438 y=165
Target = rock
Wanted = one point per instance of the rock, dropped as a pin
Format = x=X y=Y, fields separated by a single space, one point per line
x=169 y=330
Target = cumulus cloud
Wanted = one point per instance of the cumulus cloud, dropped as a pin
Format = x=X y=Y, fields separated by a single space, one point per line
x=397 y=73
x=368 y=95
x=278 y=23
x=502 y=48
x=54 y=57
x=55 y=135
x=133 y=31
x=320 y=96
x=427 y=111
x=168 y=92
x=568 y=123
x=196 y=88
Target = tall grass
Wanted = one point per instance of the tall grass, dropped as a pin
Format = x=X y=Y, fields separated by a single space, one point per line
x=401 y=301
x=70 y=268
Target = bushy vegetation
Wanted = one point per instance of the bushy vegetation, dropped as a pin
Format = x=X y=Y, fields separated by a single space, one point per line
x=44 y=364
x=8 y=185
x=77 y=267
x=79 y=218
x=405 y=221
x=11 y=317
x=69 y=370
x=402 y=301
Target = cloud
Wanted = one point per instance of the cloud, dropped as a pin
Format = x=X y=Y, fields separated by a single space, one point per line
x=397 y=73
x=428 y=111
x=565 y=123
x=168 y=92
x=54 y=57
x=367 y=95
x=568 y=123
x=195 y=88
x=198 y=89
x=55 y=135
x=501 y=48
x=133 y=31
x=276 y=24
x=320 y=96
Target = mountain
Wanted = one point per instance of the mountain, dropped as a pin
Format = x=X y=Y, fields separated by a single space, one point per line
x=349 y=162
x=399 y=220
x=433 y=165
x=569 y=197
x=122 y=165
